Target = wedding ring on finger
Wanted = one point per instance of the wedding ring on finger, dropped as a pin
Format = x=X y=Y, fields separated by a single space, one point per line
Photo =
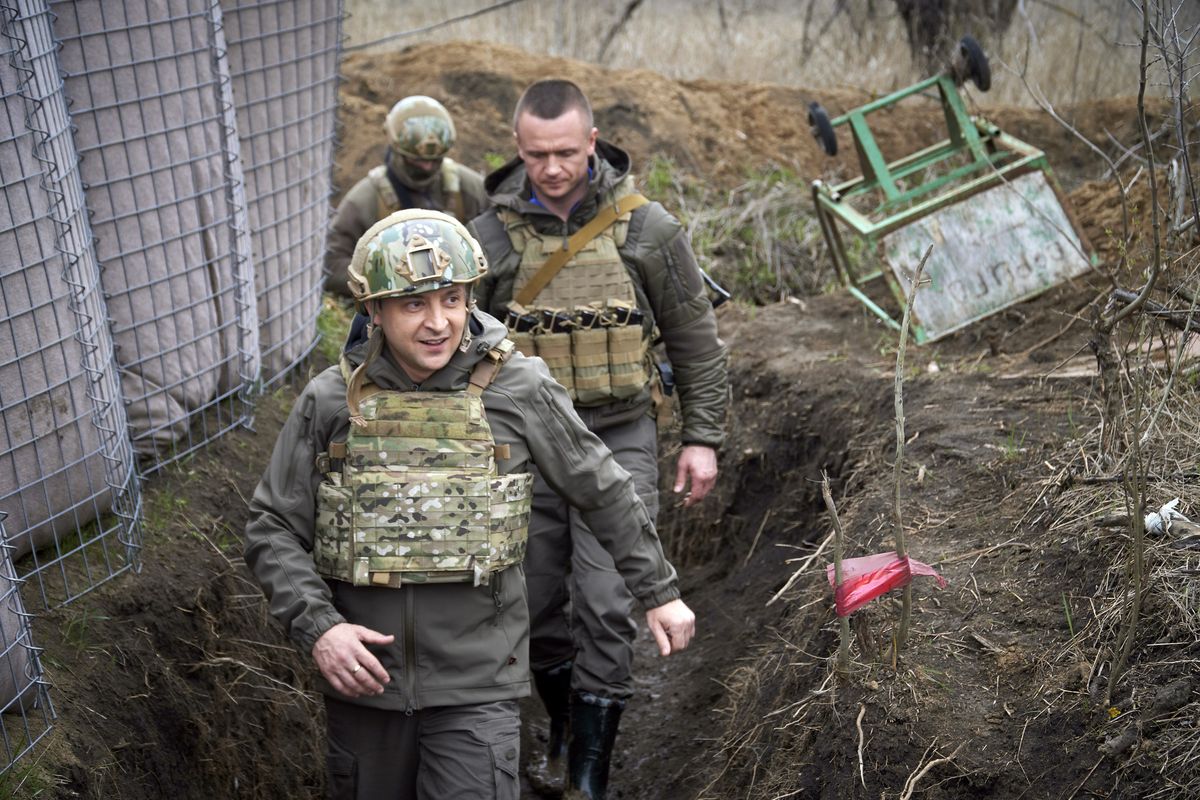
x=357 y=667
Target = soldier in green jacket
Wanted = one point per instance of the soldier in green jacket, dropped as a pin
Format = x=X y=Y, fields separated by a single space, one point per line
x=587 y=272
x=389 y=526
x=416 y=173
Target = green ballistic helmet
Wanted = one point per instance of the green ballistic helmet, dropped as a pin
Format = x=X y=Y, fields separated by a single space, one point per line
x=420 y=127
x=411 y=252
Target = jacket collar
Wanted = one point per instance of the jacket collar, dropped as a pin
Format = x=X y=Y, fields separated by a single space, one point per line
x=384 y=372
x=509 y=187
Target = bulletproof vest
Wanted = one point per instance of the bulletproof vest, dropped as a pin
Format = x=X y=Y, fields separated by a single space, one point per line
x=414 y=495
x=596 y=273
x=598 y=363
x=389 y=203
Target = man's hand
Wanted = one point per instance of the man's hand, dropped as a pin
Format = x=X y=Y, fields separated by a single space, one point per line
x=673 y=626
x=698 y=462
x=349 y=666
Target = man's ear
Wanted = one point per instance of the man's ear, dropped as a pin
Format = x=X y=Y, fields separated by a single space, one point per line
x=591 y=146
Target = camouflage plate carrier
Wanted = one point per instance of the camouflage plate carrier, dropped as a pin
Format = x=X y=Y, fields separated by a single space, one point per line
x=595 y=365
x=414 y=496
x=452 y=194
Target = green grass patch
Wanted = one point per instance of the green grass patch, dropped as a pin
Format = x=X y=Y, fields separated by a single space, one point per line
x=333 y=325
x=494 y=161
x=26 y=778
x=761 y=241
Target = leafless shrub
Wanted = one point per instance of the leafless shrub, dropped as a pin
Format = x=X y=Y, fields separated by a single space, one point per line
x=1066 y=45
x=1145 y=633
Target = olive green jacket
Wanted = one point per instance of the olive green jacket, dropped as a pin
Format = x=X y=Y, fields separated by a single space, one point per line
x=360 y=209
x=455 y=643
x=665 y=276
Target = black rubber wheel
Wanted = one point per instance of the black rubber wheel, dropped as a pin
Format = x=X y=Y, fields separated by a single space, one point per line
x=975 y=62
x=822 y=131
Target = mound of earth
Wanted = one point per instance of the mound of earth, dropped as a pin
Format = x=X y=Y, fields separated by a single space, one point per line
x=713 y=129
x=175 y=682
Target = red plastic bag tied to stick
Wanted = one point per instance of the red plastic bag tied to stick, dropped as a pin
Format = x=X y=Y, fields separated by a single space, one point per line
x=865 y=578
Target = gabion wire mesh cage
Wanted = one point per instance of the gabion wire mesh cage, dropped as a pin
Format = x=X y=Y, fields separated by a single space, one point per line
x=26 y=714
x=166 y=171
x=283 y=55
x=67 y=480
x=145 y=81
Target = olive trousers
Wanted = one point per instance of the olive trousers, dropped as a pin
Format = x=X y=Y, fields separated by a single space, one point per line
x=467 y=752
x=579 y=607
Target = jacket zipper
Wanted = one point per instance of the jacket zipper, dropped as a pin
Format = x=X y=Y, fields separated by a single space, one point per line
x=410 y=655
x=496 y=578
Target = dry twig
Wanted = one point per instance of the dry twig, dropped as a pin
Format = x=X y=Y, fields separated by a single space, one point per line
x=910 y=785
x=862 y=710
x=897 y=519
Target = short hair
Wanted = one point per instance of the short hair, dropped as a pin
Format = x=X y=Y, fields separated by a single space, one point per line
x=550 y=99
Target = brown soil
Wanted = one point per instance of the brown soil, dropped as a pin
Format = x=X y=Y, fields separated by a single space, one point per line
x=717 y=130
x=175 y=683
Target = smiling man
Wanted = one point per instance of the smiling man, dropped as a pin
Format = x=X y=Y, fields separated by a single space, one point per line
x=591 y=272
x=389 y=527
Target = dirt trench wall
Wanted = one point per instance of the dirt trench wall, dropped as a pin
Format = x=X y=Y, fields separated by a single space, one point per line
x=176 y=682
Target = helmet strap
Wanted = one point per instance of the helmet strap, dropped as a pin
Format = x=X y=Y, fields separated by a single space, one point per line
x=355 y=383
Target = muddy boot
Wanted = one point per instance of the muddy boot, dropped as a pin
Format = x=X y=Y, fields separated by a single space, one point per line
x=547 y=772
x=594 y=723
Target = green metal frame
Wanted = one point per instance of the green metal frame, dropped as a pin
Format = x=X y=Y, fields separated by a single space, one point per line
x=992 y=157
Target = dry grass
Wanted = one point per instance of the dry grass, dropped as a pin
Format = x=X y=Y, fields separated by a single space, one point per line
x=1154 y=697
x=759 y=240
x=1072 y=50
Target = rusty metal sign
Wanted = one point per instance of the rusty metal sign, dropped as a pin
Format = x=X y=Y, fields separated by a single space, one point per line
x=994 y=249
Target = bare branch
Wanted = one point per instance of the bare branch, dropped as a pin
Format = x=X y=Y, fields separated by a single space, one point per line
x=897 y=518
x=1155 y=223
x=839 y=539
x=617 y=27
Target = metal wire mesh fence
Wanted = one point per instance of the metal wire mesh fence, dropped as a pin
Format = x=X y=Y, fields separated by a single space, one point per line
x=25 y=709
x=144 y=82
x=66 y=468
x=284 y=58
x=166 y=170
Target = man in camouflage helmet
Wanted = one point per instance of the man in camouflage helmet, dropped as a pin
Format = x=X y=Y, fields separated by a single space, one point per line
x=389 y=526
x=572 y=245
x=416 y=173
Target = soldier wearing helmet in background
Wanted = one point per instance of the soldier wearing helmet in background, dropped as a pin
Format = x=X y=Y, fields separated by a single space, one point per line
x=588 y=272
x=389 y=526
x=416 y=174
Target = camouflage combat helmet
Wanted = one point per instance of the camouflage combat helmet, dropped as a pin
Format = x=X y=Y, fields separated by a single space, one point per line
x=411 y=252
x=420 y=127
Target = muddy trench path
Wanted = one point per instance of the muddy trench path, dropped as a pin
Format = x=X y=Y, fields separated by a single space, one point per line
x=973 y=681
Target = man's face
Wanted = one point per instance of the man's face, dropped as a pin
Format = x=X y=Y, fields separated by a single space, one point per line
x=556 y=152
x=422 y=331
x=421 y=168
